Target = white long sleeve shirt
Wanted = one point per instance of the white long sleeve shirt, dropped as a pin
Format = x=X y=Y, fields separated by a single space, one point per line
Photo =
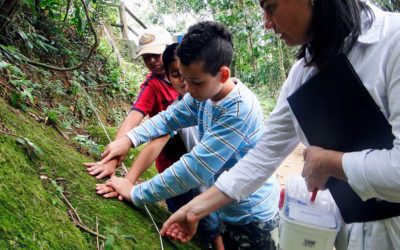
x=371 y=173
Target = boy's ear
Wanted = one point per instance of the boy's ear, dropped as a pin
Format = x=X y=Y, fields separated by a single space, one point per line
x=225 y=74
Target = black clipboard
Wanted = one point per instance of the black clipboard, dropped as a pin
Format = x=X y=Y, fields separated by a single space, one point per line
x=335 y=111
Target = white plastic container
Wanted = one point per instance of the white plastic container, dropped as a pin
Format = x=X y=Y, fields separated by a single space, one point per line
x=305 y=225
x=295 y=235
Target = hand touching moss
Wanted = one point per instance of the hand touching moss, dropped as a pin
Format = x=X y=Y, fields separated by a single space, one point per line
x=115 y=150
x=118 y=186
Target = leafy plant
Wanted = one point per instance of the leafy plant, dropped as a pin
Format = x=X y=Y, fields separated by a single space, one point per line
x=32 y=149
x=34 y=40
x=90 y=145
x=53 y=116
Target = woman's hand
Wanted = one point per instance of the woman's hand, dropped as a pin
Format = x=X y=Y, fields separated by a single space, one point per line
x=181 y=226
x=319 y=165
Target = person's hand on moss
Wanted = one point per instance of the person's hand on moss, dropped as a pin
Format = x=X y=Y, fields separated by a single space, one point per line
x=107 y=192
x=117 y=186
x=116 y=150
x=104 y=170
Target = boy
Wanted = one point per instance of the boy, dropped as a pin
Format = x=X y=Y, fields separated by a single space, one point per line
x=229 y=118
x=156 y=95
x=209 y=226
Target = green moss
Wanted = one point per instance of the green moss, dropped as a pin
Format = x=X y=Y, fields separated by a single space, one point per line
x=32 y=213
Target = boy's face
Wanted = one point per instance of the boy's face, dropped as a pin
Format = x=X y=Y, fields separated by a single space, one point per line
x=175 y=77
x=154 y=63
x=200 y=85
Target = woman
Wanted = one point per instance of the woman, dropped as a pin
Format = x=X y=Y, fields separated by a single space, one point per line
x=370 y=38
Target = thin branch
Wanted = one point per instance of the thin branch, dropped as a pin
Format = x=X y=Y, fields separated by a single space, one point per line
x=10 y=134
x=71 y=207
x=78 y=220
x=97 y=232
x=82 y=226
x=67 y=11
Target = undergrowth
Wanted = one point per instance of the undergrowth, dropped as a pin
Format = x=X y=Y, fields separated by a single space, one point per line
x=48 y=128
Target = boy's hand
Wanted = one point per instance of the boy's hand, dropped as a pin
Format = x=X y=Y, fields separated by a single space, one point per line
x=101 y=171
x=121 y=186
x=116 y=149
x=107 y=192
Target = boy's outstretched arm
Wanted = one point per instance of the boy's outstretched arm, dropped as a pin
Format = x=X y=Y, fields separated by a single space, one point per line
x=116 y=149
x=146 y=157
x=218 y=145
x=108 y=168
x=181 y=115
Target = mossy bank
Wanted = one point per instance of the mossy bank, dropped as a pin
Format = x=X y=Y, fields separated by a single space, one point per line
x=33 y=212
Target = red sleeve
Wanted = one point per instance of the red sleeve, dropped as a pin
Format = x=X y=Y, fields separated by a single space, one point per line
x=146 y=99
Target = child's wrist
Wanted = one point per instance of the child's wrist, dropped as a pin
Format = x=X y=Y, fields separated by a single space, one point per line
x=131 y=180
x=131 y=194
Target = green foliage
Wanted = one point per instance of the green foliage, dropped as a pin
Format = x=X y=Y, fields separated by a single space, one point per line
x=23 y=91
x=35 y=87
x=124 y=78
x=53 y=116
x=260 y=57
x=37 y=41
x=94 y=149
x=265 y=98
x=35 y=172
x=389 y=5
x=31 y=148
x=60 y=116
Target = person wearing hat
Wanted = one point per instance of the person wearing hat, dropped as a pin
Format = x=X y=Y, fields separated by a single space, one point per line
x=156 y=94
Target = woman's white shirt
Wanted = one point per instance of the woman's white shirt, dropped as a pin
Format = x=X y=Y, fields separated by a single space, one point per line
x=371 y=173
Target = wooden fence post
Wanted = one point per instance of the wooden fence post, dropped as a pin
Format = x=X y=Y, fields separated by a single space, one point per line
x=124 y=30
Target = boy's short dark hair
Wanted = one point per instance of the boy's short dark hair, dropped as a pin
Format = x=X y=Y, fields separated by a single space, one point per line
x=169 y=56
x=209 y=42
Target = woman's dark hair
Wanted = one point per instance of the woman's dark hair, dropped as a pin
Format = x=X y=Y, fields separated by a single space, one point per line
x=332 y=22
x=169 y=56
x=208 y=42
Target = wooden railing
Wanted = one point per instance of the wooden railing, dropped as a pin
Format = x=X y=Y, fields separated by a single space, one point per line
x=123 y=25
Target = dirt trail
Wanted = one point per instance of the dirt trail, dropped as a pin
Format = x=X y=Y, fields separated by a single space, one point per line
x=292 y=164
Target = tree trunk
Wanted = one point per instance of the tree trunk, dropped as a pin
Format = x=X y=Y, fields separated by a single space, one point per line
x=251 y=47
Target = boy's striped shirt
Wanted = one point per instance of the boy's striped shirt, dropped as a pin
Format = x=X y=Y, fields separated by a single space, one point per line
x=227 y=130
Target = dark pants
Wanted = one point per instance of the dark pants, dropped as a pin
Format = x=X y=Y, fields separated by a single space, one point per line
x=255 y=235
x=176 y=202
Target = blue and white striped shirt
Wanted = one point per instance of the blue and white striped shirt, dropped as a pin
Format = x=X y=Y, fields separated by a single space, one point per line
x=227 y=130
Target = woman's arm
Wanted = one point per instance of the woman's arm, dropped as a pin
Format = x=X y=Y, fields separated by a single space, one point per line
x=182 y=225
